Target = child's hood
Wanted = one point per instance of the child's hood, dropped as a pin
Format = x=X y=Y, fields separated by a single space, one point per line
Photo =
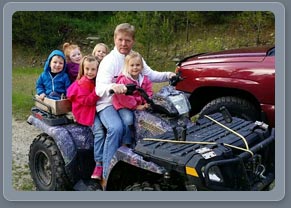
x=47 y=67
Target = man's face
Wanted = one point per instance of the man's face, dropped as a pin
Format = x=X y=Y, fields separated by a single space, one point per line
x=123 y=42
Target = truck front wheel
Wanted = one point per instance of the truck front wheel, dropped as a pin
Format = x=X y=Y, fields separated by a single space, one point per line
x=236 y=106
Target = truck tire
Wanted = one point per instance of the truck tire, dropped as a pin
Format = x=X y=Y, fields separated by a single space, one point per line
x=236 y=106
x=47 y=165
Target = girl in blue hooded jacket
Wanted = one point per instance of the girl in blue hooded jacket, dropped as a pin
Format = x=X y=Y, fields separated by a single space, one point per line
x=53 y=81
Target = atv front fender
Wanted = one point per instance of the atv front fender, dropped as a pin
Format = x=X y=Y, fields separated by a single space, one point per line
x=69 y=138
x=126 y=155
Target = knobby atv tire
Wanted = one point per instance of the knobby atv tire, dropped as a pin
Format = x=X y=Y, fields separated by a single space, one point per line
x=145 y=186
x=236 y=106
x=47 y=165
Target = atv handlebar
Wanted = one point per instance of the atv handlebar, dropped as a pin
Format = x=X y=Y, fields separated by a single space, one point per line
x=132 y=87
x=173 y=81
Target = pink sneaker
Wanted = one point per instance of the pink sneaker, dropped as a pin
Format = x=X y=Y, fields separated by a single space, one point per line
x=97 y=173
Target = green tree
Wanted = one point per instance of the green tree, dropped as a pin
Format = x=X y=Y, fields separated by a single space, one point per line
x=256 y=23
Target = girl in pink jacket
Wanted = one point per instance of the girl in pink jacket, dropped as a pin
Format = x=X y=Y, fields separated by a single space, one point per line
x=83 y=97
x=127 y=104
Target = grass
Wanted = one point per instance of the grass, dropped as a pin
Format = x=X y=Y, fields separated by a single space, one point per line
x=23 y=88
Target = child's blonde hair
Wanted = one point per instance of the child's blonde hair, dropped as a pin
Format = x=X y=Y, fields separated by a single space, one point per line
x=128 y=57
x=67 y=48
x=89 y=58
x=100 y=44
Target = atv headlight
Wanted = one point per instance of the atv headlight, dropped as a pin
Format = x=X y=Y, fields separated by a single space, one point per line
x=180 y=103
x=215 y=175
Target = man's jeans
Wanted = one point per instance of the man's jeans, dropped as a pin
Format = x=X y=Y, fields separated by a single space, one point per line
x=114 y=126
x=99 y=138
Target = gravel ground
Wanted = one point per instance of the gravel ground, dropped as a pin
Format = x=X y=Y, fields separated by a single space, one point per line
x=22 y=136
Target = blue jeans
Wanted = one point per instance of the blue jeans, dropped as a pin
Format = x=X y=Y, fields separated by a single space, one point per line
x=113 y=124
x=127 y=117
x=99 y=137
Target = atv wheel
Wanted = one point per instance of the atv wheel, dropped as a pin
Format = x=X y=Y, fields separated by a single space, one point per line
x=145 y=186
x=46 y=164
x=236 y=106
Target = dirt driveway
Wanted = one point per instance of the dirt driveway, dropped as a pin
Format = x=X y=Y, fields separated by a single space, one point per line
x=22 y=136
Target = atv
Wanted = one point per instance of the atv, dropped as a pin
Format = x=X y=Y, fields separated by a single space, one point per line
x=171 y=152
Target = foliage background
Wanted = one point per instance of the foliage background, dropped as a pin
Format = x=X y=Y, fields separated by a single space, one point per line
x=161 y=35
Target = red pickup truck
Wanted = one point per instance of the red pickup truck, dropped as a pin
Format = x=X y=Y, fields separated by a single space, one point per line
x=242 y=80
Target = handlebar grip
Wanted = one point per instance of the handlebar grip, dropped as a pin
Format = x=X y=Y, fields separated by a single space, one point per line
x=173 y=81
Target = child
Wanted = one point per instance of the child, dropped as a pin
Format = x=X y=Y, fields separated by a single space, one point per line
x=83 y=97
x=53 y=81
x=73 y=58
x=126 y=104
x=100 y=51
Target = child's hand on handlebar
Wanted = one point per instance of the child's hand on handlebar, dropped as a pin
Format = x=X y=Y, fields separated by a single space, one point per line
x=143 y=107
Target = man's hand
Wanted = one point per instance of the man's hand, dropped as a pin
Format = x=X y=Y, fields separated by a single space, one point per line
x=172 y=74
x=119 y=88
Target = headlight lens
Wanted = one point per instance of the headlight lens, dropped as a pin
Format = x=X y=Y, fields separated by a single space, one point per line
x=215 y=175
x=180 y=103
